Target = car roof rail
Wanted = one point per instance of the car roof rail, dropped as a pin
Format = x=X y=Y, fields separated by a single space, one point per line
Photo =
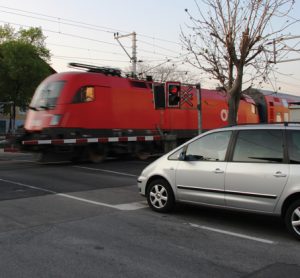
x=241 y=124
x=285 y=123
x=288 y=123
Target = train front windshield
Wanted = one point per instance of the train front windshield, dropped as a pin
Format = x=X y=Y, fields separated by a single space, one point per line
x=46 y=95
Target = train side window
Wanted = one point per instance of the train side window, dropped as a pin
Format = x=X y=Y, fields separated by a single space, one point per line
x=84 y=94
x=139 y=84
x=159 y=96
x=253 y=109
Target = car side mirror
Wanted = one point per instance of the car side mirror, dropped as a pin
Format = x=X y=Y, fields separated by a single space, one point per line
x=193 y=157
x=182 y=156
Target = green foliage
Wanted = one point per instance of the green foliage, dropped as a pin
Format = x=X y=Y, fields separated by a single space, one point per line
x=6 y=33
x=35 y=37
x=21 y=71
x=23 y=65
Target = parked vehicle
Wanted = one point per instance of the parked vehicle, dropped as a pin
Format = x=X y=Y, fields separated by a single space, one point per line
x=250 y=168
x=99 y=112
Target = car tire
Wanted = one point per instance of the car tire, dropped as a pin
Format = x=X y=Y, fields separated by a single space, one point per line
x=160 y=196
x=292 y=219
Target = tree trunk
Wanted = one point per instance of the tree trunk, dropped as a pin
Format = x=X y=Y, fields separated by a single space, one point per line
x=234 y=97
x=233 y=105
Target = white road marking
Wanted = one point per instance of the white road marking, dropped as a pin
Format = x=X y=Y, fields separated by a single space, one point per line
x=132 y=206
x=29 y=186
x=84 y=200
x=126 y=207
x=107 y=171
x=232 y=233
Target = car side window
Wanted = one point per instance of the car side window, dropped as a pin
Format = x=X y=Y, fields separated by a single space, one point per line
x=211 y=147
x=294 y=146
x=264 y=146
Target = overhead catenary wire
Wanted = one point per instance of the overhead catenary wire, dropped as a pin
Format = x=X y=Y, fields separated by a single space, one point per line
x=85 y=38
x=73 y=23
x=92 y=27
x=79 y=24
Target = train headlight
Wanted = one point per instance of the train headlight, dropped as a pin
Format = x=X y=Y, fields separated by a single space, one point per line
x=55 y=119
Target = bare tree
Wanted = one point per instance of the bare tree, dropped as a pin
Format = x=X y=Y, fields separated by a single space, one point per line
x=233 y=41
x=163 y=73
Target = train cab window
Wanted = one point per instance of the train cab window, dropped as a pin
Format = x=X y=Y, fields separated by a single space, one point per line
x=46 y=95
x=84 y=94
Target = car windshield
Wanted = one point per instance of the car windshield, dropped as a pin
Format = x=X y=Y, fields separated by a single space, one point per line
x=46 y=95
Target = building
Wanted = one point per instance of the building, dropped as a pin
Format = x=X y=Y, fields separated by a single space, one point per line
x=5 y=121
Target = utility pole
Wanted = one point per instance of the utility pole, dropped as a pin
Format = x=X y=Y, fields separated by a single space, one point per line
x=134 y=54
x=133 y=57
x=275 y=60
x=199 y=107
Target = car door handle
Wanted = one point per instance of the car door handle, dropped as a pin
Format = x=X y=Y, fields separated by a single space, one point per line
x=218 y=171
x=279 y=175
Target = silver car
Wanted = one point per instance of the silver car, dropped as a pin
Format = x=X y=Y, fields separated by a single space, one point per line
x=251 y=168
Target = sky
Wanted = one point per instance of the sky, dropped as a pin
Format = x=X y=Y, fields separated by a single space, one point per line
x=83 y=32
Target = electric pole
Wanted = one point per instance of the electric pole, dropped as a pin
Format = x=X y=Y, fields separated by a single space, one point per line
x=133 y=57
x=275 y=61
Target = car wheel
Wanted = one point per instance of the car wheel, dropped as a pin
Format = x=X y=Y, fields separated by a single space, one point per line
x=160 y=196
x=292 y=218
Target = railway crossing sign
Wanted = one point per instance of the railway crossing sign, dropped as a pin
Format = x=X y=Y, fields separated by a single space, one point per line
x=187 y=96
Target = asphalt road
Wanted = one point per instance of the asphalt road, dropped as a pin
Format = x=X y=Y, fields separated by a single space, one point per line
x=88 y=220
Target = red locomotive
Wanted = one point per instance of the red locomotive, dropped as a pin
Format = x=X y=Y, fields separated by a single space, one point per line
x=93 y=113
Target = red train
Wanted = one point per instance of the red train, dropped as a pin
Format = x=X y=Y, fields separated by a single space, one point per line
x=96 y=112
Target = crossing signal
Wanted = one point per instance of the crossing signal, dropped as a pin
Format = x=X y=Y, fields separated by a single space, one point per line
x=173 y=93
